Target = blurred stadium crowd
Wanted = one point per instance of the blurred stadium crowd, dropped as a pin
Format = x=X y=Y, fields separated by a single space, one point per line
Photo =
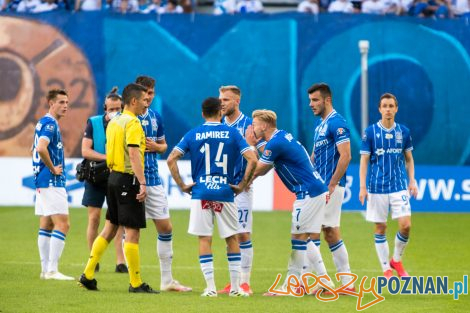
x=418 y=8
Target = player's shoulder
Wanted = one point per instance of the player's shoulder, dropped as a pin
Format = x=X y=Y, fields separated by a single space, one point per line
x=402 y=128
x=47 y=122
x=337 y=120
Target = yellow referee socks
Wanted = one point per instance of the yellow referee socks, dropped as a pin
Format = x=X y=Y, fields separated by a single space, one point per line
x=131 y=250
x=99 y=246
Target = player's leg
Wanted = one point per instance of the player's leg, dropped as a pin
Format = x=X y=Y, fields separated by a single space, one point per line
x=401 y=210
x=206 y=262
x=44 y=242
x=56 y=206
x=201 y=225
x=307 y=216
x=121 y=266
x=377 y=212
x=156 y=208
x=332 y=234
x=94 y=215
x=227 y=221
x=244 y=202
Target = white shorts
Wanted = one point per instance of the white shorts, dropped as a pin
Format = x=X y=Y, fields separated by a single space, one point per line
x=51 y=201
x=308 y=214
x=201 y=220
x=378 y=205
x=333 y=208
x=156 y=204
x=244 y=203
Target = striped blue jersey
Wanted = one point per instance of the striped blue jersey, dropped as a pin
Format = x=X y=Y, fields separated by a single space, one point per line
x=48 y=129
x=214 y=149
x=386 y=148
x=153 y=127
x=292 y=163
x=329 y=133
x=241 y=124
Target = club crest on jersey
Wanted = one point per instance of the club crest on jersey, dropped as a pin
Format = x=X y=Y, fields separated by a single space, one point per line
x=340 y=131
x=154 y=124
x=60 y=145
x=388 y=136
x=267 y=153
x=398 y=137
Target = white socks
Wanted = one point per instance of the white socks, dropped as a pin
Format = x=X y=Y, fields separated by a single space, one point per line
x=165 y=254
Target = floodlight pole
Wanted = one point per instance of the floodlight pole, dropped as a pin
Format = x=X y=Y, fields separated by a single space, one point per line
x=364 y=50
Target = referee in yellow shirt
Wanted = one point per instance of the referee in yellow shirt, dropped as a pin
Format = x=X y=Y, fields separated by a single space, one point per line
x=125 y=147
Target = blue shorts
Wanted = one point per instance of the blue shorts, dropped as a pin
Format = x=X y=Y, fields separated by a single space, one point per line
x=94 y=195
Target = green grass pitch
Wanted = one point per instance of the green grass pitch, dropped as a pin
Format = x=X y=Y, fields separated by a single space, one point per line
x=439 y=246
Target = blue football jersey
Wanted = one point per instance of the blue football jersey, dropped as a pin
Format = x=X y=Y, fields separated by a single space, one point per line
x=241 y=124
x=386 y=148
x=153 y=127
x=214 y=149
x=292 y=163
x=48 y=129
x=329 y=133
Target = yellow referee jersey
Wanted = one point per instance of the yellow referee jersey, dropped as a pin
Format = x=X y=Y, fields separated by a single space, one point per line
x=123 y=131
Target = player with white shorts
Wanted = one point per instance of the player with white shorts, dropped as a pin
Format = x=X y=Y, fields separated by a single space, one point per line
x=292 y=164
x=49 y=179
x=214 y=149
x=156 y=204
x=387 y=147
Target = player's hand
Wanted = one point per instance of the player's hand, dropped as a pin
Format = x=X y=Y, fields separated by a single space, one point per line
x=331 y=188
x=362 y=195
x=57 y=170
x=237 y=189
x=187 y=188
x=250 y=136
x=142 y=193
x=413 y=189
x=150 y=145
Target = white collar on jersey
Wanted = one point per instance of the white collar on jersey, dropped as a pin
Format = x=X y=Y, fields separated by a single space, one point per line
x=274 y=134
x=328 y=116
x=385 y=128
x=49 y=115
x=146 y=113
x=236 y=120
x=212 y=123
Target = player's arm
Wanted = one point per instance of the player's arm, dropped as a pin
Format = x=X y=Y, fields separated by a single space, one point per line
x=365 y=158
x=160 y=146
x=251 y=159
x=251 y=139
x=137 y=168
x=88 y=152
x=312 y=156
x=344 y=150
x=261 y=169
x=172 y=162
x=410 y=170
x=46 y=158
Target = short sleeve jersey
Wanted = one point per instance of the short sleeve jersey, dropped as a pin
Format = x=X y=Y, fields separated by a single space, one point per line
x=214 y=149
x=386 y=148
x=48 y=129
x=123 y=131
x=329 y=133
x=152 y=123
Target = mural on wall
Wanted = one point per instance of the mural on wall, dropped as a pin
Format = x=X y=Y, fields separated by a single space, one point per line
x=273 y=58
x=35 y=57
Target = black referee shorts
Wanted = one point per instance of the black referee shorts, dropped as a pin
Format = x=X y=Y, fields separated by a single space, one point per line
x=123 y=207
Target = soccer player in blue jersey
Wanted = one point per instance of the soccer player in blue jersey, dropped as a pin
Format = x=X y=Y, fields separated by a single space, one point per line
x=49 y=179
x=230 y=97
x=156 y=204
x=214 y=150
x=331 y=156
x=292 y=163
x=387 y=147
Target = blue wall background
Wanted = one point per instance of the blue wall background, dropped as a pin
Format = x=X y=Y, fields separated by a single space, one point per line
x=275 y=58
